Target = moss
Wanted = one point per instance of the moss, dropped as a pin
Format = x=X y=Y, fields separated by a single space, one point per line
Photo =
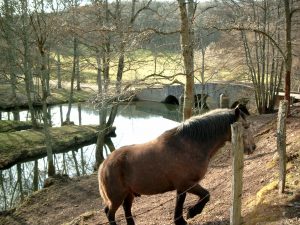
x=24 y=145
x=272 y=163
x=11 y=125
x=262 y=193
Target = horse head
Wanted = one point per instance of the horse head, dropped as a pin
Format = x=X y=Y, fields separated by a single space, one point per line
x=248 y=139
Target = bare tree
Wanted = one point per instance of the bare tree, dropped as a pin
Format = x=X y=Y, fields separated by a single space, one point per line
x=187 y=10
x=260 y=22
x=290 y=8
x=27 y=61
x=262 y=58
x=41 y=28
x=75 y=65
x=11 y=46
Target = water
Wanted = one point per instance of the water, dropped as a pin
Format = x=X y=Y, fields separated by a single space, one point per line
x=136 y=123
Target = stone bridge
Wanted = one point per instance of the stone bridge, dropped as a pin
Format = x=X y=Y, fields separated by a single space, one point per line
x=174 y=94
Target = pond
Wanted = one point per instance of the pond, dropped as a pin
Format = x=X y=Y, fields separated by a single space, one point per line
x=137 y=122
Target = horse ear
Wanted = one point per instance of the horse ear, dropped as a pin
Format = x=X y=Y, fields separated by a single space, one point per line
x=241 y=106
x=237 y=111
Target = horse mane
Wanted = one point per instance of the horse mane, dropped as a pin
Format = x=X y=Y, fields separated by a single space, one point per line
x=208 y=126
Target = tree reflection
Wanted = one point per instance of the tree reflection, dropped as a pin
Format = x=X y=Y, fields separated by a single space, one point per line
x=22 y=179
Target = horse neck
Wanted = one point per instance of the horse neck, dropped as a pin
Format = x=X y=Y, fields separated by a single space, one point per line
x=217 y=144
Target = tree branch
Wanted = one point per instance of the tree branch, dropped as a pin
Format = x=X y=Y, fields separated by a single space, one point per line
x=255 y=31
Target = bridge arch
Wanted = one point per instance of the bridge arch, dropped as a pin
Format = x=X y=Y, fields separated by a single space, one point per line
x=171 y=99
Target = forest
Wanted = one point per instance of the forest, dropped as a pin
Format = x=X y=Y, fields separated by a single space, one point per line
x=58 y=53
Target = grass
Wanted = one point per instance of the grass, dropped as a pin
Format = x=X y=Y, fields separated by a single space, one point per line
x=9 y=125
x=31 y=143
x=142 y=63
x=133 y=62
x=62 y=95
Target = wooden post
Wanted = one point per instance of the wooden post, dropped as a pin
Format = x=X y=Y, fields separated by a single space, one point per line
x=281 y=143
x=237 y=168
x=224 y=101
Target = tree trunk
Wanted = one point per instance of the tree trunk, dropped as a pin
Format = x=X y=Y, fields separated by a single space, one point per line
x=58 y=70
x=30 y=89
x=288 y=60
x=188 y=56
x=120 y=69
x=48 y=72
x=11 y=50
x=202 y=77
x=48 y=138
x=78 y=78
x=101 y=137
x=35 y=182
x=72 y=84
x=3 y=190
x=99 y=72
x=19 y=175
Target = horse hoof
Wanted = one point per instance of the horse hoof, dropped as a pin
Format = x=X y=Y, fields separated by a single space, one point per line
x=180 y=221
x=190 y=214
x=130 y=222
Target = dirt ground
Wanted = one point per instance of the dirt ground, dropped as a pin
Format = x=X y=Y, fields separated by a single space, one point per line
x=76 y=201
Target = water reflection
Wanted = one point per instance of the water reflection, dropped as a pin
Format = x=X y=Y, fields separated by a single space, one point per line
x=24 y=178
x=136 y=123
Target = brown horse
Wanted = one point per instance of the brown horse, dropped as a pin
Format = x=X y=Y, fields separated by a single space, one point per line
x=176 y=160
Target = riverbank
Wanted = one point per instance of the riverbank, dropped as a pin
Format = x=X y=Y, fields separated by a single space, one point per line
x=20 y=146
x=58 y=96
x=12 y=125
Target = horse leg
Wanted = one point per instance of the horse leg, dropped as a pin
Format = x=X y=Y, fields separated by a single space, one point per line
x=178 y=218
x=127 y=209
x=111 y=211
x=203 y=199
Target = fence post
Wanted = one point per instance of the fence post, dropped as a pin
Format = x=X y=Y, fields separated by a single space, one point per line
x=224 y=101
x=237 y=170
x=281 y=143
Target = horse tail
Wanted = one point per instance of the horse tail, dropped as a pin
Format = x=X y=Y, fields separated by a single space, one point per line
x=102 y=187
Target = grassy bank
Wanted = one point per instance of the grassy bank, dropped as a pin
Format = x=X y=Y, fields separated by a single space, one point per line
x=10 y=125
x=58 y=96
x=22 y=146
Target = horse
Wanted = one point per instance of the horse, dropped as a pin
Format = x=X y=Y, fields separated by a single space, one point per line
x=176 y=160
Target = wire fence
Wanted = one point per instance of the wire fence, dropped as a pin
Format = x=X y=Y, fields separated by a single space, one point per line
x=223 y=184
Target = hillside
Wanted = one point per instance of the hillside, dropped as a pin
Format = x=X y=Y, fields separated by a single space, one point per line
x=76 y=201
